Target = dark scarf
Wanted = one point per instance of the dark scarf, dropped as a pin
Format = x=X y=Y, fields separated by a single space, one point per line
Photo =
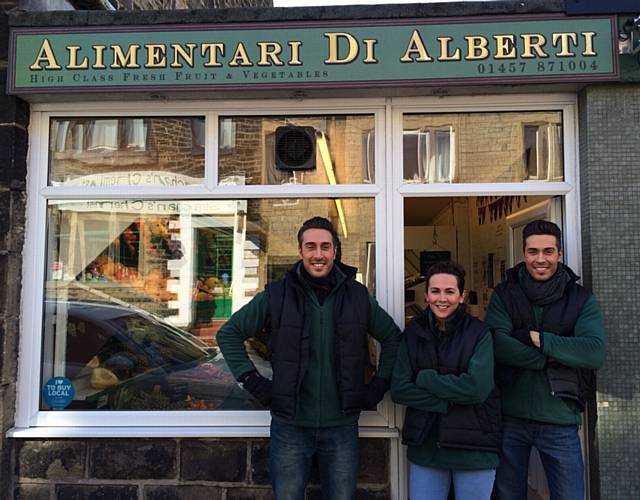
x=321 y=286
x=541 y=293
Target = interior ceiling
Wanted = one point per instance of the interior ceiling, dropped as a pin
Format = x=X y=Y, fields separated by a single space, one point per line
x=422 y=211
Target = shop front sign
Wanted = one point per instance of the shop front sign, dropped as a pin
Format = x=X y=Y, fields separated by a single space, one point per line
x=311 y=55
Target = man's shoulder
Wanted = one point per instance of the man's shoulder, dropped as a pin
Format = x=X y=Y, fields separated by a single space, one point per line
x=506 y=290
x=348 y=279
x=512 y=279
x=579 y=294
x=582 y=289
x=256 y=301
x=274 y=286
x=358 y=286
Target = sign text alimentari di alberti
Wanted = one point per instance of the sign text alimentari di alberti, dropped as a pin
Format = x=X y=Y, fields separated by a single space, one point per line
x=544 y=49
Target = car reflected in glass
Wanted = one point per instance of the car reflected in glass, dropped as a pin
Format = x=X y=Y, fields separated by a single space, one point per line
x=122 y=358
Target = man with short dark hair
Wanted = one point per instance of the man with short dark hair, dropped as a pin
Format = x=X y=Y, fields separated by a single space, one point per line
x=549 y=338
x=319 y=319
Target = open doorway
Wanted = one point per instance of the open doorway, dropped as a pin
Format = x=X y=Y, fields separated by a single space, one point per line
x=482 y=233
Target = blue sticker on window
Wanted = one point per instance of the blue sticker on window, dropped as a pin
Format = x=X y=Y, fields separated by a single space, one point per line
x=58 y=392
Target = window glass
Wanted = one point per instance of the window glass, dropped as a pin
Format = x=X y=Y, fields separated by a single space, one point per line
x=104 y=152
x=483 y=147
x=332 y=149
x=136 y=292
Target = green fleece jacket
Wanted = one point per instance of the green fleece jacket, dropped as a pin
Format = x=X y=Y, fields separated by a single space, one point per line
x=528 y=395
x=318 y=401
x=432 y=391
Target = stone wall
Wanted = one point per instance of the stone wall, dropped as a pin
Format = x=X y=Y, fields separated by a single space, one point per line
x=169 y=469
x=610 y=206
x=14 y=117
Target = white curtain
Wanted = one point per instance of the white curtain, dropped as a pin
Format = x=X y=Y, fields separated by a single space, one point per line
x=135 y=134
x=443 y=155
x=103 y=134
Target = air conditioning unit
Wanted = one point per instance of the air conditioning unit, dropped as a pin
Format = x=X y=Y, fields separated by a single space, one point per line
x=295 y=148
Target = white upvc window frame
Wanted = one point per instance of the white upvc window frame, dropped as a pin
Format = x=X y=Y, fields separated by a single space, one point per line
x=29 y=420
x=389 y=191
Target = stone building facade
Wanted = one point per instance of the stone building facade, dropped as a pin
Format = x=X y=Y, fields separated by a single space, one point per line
x=163 y=468
x=157 y=469
x=14 y=142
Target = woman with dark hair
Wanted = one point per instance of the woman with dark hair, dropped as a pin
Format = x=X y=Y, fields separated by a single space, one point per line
x=444 y=375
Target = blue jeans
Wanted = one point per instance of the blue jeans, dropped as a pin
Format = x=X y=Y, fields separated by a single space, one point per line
x=429 y=483
x=292 y=450
x=560 y=454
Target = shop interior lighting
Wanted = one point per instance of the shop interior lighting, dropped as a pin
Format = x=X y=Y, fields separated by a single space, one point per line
x=323 y=147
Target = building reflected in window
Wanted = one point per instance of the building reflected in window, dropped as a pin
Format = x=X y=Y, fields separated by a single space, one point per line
x=136 y=292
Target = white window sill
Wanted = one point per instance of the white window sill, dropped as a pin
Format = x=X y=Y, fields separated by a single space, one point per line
x=166 y=432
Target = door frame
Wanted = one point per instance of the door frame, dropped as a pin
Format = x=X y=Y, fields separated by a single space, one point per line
x=397 y=191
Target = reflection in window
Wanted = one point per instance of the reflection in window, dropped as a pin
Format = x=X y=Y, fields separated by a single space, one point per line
x=198 y=135
x=102 y=135
x=109 y=134
x=226 y=135
x=107 y=152
x=482 y=147
x=427 y=155
x=369 y=156
x=136 y=292
x=135 y=134
x=247 y=150
x=543 y=152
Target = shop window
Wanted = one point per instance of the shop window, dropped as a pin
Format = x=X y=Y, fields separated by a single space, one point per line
x=483 y=147
x=136 y=292
x=103 y=152
x=248 y=152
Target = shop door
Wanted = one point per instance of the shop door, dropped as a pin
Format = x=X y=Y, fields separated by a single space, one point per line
x=441 y=228
x=464 y=185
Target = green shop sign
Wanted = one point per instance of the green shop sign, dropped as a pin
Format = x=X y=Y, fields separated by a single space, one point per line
x=318 y=54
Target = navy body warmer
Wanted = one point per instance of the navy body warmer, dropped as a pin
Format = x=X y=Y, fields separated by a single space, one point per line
x=289 y=341
x=473 y=427
x=559 y=318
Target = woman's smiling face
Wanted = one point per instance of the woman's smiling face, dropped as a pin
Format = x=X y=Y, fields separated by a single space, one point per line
x=443 y=295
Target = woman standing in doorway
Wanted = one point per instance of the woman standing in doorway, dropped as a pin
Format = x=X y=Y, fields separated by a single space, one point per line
x=444 y=375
